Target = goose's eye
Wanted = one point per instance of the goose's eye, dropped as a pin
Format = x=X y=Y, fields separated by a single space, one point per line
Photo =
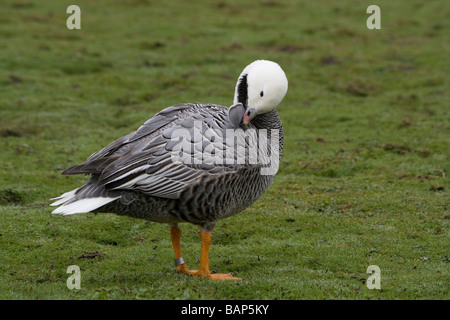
x=261 y=93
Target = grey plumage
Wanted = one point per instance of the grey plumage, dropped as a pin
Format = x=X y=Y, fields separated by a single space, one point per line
x=138 y=171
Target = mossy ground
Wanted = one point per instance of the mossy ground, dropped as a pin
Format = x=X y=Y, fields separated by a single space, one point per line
x=363 y=180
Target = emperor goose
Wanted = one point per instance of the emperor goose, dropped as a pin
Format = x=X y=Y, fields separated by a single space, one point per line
x=192 y=162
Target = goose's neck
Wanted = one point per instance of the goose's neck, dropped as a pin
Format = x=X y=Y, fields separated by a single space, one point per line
x=270 y=121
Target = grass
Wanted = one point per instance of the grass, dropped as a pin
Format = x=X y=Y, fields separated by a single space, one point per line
x=363 y=180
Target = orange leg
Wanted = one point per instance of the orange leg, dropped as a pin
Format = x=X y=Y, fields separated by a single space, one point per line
x=175 y=233
x=203 y=271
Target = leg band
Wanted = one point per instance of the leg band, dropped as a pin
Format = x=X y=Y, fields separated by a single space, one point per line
x=179 y=261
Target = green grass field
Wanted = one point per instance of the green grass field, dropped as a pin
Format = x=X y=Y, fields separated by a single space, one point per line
x=363 y=180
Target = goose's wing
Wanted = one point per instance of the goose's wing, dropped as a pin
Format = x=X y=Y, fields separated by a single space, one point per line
x=170 y=151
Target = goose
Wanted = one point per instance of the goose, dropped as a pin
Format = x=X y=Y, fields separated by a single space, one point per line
x=190 y=163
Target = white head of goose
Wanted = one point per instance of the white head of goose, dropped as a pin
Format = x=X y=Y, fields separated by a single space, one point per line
x=261 y=87
x=137 y=177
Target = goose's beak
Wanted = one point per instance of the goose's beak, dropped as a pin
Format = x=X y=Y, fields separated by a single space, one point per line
x=249 y=114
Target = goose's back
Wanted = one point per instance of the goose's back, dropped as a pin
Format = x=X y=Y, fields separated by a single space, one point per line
x=140 y=169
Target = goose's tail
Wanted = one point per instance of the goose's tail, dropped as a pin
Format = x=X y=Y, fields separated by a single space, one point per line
x=87 y=198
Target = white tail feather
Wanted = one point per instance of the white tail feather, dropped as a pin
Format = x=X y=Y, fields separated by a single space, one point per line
x=83 y=205
x=63 y=198
x=79 y=206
